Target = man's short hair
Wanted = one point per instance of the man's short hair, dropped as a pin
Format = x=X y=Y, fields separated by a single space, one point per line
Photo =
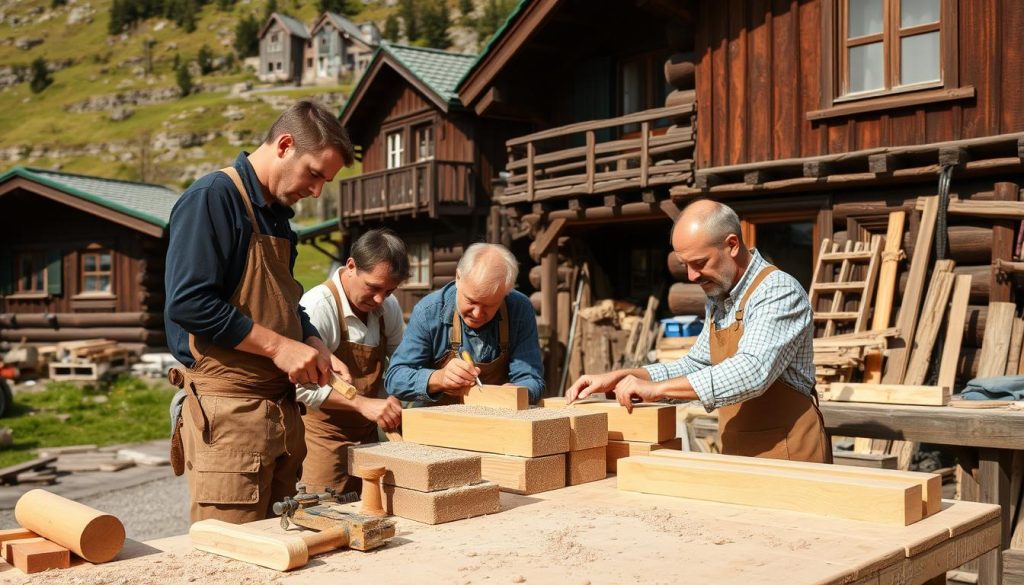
x=501 y=274
x=381 y=245
x=313 y=129
x=718 y=222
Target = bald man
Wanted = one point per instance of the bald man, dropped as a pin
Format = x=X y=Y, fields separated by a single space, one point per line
x=753 y=361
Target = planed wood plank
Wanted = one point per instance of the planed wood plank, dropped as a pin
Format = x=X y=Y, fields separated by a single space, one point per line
x=651 y=423
x=619 y=449
x=527 y=433
x=1016 y=342
x=996 y=343
x=524 y=475
x=889 y=393
x=495 y=396
x=865 y=459
x=886 y=502
x=931 y=319
x=954 y=332
x=931 y=483
x=886 y=290
x=35 y=557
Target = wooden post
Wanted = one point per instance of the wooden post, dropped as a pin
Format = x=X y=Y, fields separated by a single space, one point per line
x=549 y=312
x=530 y=152
x=645 y=130
x=994 y=483
x=1002 y=245
x=591 y=148
x=886 y=288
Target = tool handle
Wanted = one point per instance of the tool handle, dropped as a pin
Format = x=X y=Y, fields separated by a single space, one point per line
x=326 y=540
x=347 y=390
x=467 y=358
x=394 y=437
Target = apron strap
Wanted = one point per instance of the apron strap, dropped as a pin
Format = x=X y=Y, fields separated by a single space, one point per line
x=343 y=330
x=232 y=174
x=503 y=328
x=455 y=339
x=750 y=290
x=382 y=345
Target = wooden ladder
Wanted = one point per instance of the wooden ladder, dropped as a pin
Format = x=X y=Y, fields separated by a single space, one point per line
x=845 y=277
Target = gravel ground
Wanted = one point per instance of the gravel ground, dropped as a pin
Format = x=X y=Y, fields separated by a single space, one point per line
x=150 y=510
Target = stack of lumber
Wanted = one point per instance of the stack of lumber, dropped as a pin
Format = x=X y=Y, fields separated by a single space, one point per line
x=873 y=495
x=427 y=484
x=89 y=359
x=38 y=471
x=523 y=451
x=649 y=427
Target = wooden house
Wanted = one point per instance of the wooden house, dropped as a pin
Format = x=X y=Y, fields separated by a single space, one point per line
x=341 y=49
x=427 y=163
x=284 y=47
x=82 y=257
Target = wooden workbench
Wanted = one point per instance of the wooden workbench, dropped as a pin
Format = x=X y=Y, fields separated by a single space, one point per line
x=990 y=435
x=594 y=533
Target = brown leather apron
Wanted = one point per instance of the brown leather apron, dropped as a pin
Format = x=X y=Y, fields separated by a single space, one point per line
x=329 y=433
x=241 y=427
x=492 y=372
x=781 y=423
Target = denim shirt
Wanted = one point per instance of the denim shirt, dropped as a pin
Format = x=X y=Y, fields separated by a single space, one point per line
x=427 y=339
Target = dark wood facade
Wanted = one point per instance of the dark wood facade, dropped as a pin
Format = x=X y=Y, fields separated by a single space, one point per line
x=98 y=272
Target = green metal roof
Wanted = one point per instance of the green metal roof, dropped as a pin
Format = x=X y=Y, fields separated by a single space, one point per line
x=309 y=231
x=440 y=70
x=494 y=40
x=145 y=201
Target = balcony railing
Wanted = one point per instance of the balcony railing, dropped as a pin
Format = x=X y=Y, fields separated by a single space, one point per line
x=423 y=187
x=652 y=147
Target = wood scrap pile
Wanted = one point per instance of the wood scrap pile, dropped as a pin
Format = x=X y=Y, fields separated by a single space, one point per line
x=89 y=359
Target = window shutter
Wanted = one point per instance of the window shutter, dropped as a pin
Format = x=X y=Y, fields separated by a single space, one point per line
x=6 y=273
x=54 y=272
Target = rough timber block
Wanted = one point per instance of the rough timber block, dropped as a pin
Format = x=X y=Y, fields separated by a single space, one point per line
x=931 y=483
x=586 y=466
x=5 y=552
x=886 y=502
x=528 y=433
x=494 y=396
x=619 y=449
x=524 y=475
x=442 y=506
x=417 y=467
x=34 y=557
x=586 y=429
x=651 y=423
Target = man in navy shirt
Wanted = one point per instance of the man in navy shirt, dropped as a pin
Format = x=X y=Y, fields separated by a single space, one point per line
x=233 y=318
x=479 y=312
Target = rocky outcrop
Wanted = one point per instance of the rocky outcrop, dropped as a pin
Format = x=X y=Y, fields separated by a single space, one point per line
x=136 y=97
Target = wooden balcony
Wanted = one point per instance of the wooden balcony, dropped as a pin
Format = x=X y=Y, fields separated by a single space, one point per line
x=429 y=187
x=636 y=151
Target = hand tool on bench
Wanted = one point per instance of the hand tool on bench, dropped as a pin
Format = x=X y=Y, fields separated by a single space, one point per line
x=469 y=360
x=349 y=392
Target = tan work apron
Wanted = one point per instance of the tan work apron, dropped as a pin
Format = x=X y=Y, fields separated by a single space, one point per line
x=781 y=423
x=492 y=372
x=329 y=433
x=241 y=427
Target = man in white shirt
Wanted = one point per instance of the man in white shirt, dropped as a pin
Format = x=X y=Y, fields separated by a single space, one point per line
x=361 y=323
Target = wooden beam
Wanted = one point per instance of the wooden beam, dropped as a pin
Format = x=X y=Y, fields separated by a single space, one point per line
x=991 y=209
x=619 y=449
x=652 y=423
x=931 y=319
x=612 y=201
x=818 y=168
x=886 y=290
x=886 y=502
x=549 y=236
x=497 y=396
x=756 y=177
x=707 y=180
x=886 y=162
x=524 y=475
x=445 y=505
x=931 y=483
x=586 y=466
x=417 y=467
x=996 y=343
x=527 y=433
x=889 y=393
x=1003 y=239
x=954 y=331
x=954 y=155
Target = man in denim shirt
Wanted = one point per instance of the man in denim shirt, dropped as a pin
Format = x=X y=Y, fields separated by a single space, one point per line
x=480 y=313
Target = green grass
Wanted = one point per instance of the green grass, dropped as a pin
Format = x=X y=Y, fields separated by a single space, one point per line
x=311 y=266
x=134 y=411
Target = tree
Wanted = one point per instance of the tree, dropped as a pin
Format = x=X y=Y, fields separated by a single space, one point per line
x=436 y=18
x=346 y=7
x=407 y=12
x=205 y=59
x=269 y=9
x=226 y=5
x=41 y=78
x=391 y=30
x=247 y=40
x=184 y=78
x=116 y=23
x=466 y=12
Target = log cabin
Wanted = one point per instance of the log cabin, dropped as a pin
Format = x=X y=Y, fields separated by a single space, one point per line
x=427 y=163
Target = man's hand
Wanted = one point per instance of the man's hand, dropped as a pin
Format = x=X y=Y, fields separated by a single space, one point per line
x=341 y=369
x=387 y=412
x=591 y=383
x=456 y=377
x=304 y=364
x=630 y=386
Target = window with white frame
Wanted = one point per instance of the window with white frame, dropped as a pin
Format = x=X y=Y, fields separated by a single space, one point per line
x=395 y=150
x=424 y=138
x=419 y=263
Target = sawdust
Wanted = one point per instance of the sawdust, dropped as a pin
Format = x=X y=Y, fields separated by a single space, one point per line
x=165 y=569
x=564 y=545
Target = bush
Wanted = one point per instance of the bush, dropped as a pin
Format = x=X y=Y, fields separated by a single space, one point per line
x=41 y=78
x=247 y=40
x=184 y=79
x=205 y=59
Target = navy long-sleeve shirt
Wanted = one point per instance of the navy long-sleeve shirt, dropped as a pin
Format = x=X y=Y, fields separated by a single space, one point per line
x=427 y=337
x=209 y=242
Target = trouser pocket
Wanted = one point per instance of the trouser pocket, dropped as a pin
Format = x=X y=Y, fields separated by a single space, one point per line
x=227 y=477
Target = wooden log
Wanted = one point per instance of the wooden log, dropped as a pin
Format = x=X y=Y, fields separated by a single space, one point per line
x=676 y=268
x=446 y=269
x=445 y=505
x=931 y=483
x=586 y=466
x=619 y=449
x=417 y=467
x=885 y=502
x=93 y=535
x=680 y=69
x=968 y=244
x=889 y=393
x=680 y=97
x=979 y=282
x=35 y=557
x=996 y=344
x=1003 y=233
x=496 y=396
x=535 y=301
x=524 y=475
x=527 y=433
x=437 y=282
x=564 y=275
x=60 y=320
x=127 y=334
x=448 y=254
x=686 y=299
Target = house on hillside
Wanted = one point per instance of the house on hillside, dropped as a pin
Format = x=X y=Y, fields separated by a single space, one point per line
x=427 y=163
x=82 y=257
x=284 y=48
x=341 y=49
